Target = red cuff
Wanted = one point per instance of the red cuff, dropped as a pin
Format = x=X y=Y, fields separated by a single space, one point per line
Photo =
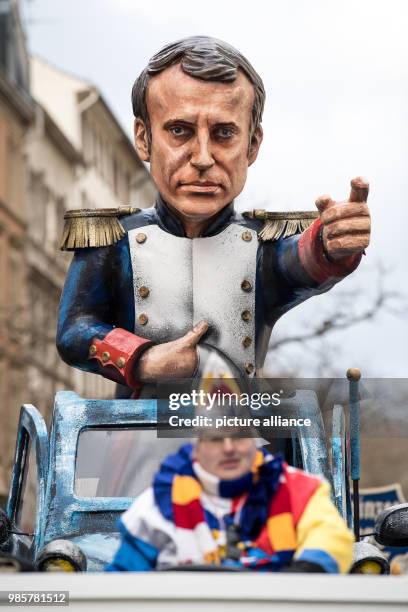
x=118 y=353
x=315 y=261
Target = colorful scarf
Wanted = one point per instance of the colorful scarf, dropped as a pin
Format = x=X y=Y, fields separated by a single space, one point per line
x=257 y=495
x=260 y=521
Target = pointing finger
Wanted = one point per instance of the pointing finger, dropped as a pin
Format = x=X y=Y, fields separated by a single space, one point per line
x=359 y=190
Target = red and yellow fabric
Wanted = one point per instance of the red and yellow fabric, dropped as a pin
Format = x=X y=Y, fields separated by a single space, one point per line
x=117 y=353
x=315 y=261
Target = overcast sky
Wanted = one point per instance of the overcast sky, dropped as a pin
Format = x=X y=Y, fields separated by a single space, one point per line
x=336 y=76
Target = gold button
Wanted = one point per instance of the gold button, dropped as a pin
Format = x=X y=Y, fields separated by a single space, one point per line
x=249 y=368
x=247 y=341
x=144 y=292
x=105 y=356
x=246 y=286
x=143 y=319
x=246 y=236
x=246 y=315
x=121 y=362
x=92 y=350
x=141 y=238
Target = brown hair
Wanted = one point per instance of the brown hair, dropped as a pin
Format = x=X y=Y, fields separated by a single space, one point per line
x=201 y=57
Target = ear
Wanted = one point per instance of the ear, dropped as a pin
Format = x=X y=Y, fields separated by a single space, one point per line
x=256 y=140
x=141 y=140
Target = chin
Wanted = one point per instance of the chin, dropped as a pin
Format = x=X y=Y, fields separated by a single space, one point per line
x=199 y=207
x=231 y=474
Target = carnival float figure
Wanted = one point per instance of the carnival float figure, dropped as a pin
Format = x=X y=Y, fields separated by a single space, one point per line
x=147 y=288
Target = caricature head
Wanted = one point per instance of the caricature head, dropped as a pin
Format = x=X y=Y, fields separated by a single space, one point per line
x=198 y=108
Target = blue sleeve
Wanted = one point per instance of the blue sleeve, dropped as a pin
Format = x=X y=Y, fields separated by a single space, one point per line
x=133 y=554
x=283 y=281
x=320 y=557
x=90 y=306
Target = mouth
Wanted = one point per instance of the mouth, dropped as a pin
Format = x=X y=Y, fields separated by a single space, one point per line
x=201 y=187
x=229 y=464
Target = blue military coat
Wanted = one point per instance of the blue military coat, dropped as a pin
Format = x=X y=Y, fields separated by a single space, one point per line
x=154 y=284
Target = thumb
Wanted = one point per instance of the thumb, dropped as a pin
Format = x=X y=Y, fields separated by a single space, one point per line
x=194 y=335
x=324 y=202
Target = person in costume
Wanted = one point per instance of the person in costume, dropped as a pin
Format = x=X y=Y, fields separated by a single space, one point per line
x=224 y=502
x=146 y=288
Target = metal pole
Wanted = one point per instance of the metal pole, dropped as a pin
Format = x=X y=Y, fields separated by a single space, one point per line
x=354 y=375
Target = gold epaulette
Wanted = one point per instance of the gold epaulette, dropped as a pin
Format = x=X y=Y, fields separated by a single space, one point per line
x=96 y=227
x=281 y=224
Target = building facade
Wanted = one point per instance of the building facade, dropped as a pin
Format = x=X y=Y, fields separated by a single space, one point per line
x=61 y=147
x=16 y=115
x=78 y=156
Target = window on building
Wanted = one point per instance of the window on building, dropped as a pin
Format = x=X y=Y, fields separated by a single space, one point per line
x=60 y=208
x=14 y=167
x=50 y=222
x=39 y=319
x=15 y=284
x=51 y=310
x=38 y=198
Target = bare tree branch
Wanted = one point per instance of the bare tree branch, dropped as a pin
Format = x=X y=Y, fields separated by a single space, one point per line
x=344 y=319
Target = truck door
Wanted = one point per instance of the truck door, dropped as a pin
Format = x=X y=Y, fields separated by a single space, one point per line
x=25 y=505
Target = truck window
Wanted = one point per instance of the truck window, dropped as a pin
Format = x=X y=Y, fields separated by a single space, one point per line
x=26 y=511
x=119 y=462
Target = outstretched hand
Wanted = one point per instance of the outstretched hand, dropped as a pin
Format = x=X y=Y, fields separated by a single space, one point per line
x=346 y=225
x=176 y=359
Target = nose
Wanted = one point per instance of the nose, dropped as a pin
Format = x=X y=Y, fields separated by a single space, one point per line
x=201 y=158
x=228 y=445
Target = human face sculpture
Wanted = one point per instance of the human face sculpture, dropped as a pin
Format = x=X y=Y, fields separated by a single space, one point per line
x=227 y=458
x=200 y=150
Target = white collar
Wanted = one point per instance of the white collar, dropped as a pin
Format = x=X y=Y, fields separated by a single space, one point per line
x=209 y=482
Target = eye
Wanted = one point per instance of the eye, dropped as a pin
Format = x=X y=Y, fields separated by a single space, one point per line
x=224 y=133
x=214 y=439
x=179 y=131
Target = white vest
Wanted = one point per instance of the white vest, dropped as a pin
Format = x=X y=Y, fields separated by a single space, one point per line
x=180 y=281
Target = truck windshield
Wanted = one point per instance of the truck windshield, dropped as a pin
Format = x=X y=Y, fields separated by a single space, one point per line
x=119 y=462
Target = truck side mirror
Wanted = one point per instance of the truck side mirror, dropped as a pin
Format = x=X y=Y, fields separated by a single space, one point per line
x=5 y=527
x=391 y=526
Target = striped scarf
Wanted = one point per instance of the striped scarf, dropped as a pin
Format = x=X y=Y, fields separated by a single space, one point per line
x=257 y=501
